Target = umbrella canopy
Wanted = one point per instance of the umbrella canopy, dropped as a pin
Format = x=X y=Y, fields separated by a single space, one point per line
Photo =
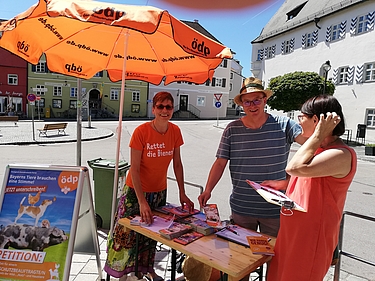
x=81 y=38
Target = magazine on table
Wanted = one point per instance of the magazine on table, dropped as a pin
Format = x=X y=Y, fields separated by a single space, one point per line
x=187 y=238
x=275 y=196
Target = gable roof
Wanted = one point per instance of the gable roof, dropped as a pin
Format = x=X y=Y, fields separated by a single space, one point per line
x=301 y=12
x=196 y=25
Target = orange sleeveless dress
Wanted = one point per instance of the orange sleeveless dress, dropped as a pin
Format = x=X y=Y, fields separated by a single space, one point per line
x=306 y=241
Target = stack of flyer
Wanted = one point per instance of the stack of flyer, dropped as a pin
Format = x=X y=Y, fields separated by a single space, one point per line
x=187 y=238
x=175 y=230
x=212 y=215
x=198 y=225
x=176 y=210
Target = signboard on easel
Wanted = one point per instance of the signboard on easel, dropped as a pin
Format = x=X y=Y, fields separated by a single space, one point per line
x=42 y=207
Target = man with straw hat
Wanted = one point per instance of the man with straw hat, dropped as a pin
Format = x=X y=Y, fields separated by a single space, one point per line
x=257 y=146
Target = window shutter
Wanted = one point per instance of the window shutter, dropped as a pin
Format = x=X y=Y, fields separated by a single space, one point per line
x=33 y=68
x=213 y=82
x=223 y=82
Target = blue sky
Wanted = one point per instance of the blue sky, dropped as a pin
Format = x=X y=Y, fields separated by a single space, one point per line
x=234 y=28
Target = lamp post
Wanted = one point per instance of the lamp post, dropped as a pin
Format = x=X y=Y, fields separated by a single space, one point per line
x=326 y=67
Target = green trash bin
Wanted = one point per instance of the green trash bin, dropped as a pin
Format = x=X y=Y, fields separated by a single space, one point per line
x=103 y=176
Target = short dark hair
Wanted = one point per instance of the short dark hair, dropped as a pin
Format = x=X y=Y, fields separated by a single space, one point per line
x=323 y=104
x=162 y=96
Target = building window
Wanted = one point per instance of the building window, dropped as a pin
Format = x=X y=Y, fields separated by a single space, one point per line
x=335 y=32
x=309 y=40
x=343 y=75
x=219 y=82
x=287 y=48
x=73 y=92
x=224 y=63
x=40 y=90
x=73 y=104
x=208 y=82
x=362 y=24
x=270 y=52
x=114 y=94
x=231 y=75
x=99 y=74
x=12 y=79
x=41 y=67
x=136 y=96
x=39 y=103
x=230 y=86
x=56 y=103
x=201 y=101
x=135 y=108
x=370 y=71
x=57 y=91
x=370 y=118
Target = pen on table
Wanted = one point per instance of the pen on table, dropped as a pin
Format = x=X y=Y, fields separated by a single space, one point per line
x=231 y=230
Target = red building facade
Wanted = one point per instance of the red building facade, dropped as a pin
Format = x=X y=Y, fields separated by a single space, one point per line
x=13 y=84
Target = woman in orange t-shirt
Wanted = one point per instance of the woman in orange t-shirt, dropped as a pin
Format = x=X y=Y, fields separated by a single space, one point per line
x=152 y=147
x=321 y=172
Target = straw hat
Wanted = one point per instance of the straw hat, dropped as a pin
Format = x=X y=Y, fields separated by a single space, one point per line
x=251 y=85
x=195 y=270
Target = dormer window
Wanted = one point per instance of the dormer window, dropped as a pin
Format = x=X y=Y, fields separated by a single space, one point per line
x=293 y=13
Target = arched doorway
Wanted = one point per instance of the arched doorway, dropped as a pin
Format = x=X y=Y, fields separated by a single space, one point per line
x=95 y=101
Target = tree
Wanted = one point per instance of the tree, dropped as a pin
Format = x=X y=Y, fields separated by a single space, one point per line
x=293 y=89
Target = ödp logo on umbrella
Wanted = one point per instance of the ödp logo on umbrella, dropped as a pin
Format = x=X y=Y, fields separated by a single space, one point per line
x=110 y=13
x=23 y=47
x=73 y=68
x=200 y=47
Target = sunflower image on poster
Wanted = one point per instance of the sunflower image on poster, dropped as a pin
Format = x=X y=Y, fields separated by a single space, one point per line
x=36 y=219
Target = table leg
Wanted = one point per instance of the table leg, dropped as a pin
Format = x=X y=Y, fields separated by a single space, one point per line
x=136 y=253
x=174 y=262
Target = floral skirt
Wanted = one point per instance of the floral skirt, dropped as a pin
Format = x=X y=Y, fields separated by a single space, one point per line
x=121 y=247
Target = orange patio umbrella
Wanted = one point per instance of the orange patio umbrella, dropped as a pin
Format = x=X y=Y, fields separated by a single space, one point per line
x=81 y=38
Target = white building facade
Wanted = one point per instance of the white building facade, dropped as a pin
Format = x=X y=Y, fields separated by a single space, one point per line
x=205 y=101
x=303 y=35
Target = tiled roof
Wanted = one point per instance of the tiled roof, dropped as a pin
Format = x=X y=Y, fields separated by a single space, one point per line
x=311 y=10
x=195 y=25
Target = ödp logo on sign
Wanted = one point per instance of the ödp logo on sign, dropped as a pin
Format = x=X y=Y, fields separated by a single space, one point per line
x=109 y=13
x=22 y=46
x=200 y=47
x=73 y=68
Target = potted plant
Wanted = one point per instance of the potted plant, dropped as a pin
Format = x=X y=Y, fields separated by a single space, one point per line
x=370 y=149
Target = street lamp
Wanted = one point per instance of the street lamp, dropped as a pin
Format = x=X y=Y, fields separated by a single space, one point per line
x=326 y=67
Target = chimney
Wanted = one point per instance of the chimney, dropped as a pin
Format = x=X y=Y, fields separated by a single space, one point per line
x=196 y=21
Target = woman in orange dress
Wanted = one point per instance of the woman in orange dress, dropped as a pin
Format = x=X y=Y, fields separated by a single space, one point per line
x=321 y=172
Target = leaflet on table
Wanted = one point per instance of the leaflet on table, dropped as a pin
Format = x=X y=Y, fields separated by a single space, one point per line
x=237 y=234
x=260 y=245
x=158 y=224
x=275 y=196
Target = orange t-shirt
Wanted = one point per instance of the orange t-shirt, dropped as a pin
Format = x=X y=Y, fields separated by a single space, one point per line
x=157 y=153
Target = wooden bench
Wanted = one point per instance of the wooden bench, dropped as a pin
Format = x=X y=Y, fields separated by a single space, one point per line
x=60 y=127
x=9 y=119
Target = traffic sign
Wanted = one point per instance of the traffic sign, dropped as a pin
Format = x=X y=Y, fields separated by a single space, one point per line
x=218 y=96
x=218 y=104
x=31 y=97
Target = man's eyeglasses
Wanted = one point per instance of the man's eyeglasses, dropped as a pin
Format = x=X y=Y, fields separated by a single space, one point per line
x=254 y=102
x=161 y=107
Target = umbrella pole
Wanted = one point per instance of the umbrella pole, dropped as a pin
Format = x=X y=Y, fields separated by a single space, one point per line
x=79 y=122
x=119 y=132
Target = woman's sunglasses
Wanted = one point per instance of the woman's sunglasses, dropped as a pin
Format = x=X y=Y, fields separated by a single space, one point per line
x=161 y=107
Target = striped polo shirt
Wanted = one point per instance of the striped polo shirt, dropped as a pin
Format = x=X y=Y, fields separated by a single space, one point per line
x=258 y=155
